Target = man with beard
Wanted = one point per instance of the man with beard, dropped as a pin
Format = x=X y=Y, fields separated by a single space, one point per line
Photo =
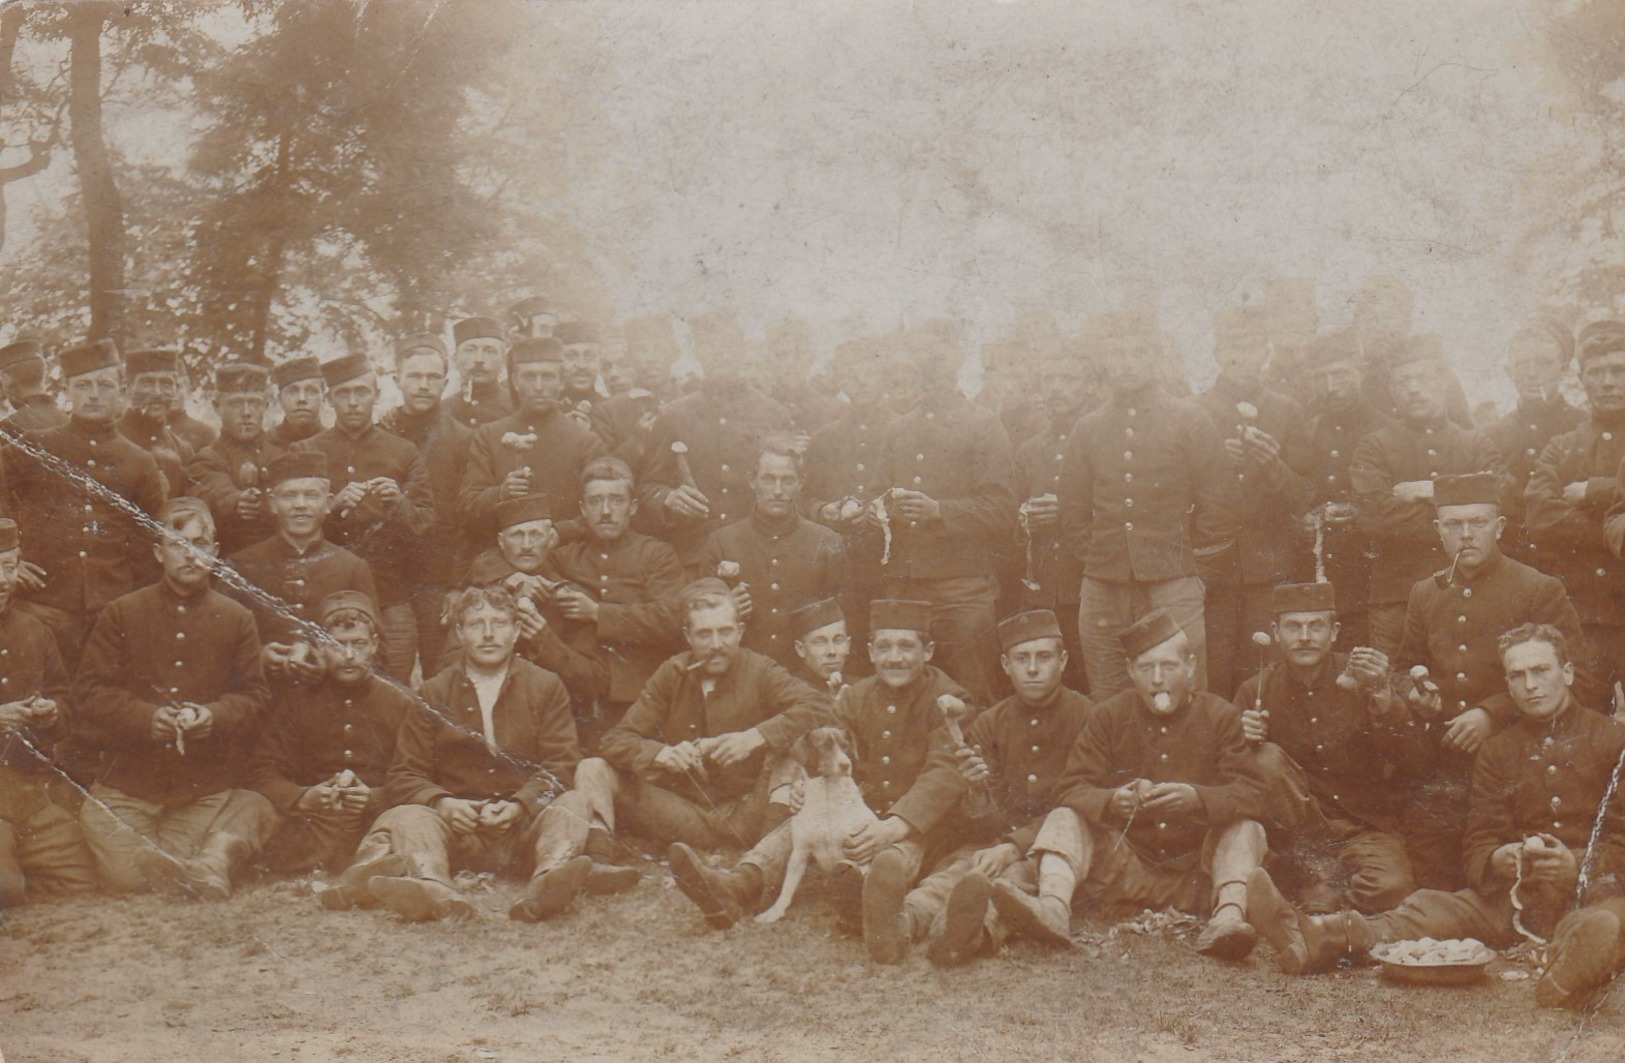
x=1145 y=492
x=382 y=507
x=1392 y=474
x=80 y=534
x=1451 y=624
x=41 y=847
x=775 y=557
x=171 y=686
x=230 y=473
x=324 y=748
x=22 y=372
x=300 y=392
x=583 y=342
x=1320 y=451
x=821 y=643
x=537 y=450
x=1572 y=486
x=423 y=420
x=152 y=377
x=480 y=346
x=1537 y=358
x=1159 y=806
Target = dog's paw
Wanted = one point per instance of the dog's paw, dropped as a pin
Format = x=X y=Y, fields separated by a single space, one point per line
x=772 y=915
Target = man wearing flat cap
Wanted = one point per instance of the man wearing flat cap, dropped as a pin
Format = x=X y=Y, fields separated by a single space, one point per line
x=1452 y=622
x=537 y=450
x=382 y=507
x=41 y=847
x=1159 y=807
x=424 y=420
x=1339 y=757
x=1538 y=358
x=1392 y=473
x=480 y=345
x=1571 y=496
x=153 y=378
x=300 y=390
x=821 y=643
x=583 y=343
x=22 y=373
x=230 y=473
x=1012 y=758
x=325 y=747
x=89 y=547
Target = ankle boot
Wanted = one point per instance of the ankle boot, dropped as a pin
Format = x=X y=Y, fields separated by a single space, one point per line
x=550 y=892
x=721 y=896
x=1303 y=944
x=350 y=890
x=957 y=934
x=611 y=870
x=1227 y=935
x=1584 y=954
x=887 y=928
x=1044 y=918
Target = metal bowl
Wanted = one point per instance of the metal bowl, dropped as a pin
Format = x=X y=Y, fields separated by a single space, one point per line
x=1464 y=972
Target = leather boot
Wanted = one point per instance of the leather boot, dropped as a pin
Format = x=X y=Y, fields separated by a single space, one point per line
x=1304 y=944
x=1584 y=954
x=611 y=871
x=195 y=879
x=887 y=928
x=1047 y=919
x=550 y=892
x=957 y=935
x=1227 y=935
x=350 y=890
x=846 y=887
x=211 y=868
x=418 y=900
x=722 y=896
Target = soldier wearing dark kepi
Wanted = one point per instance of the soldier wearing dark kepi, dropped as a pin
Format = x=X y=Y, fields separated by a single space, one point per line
x=1145 y=492
x=1569 y=529
x=821 y=643
x=1392 y=474
x=583 y=343
x=775 y=559
x=1320 y=450
x=152 y=377
x=1538 y=355
x=324 y=748
x=1253 y=419
x=1339 y=754
x=299 y=392
x=382 y=506
x=230 y=474
x=537 y=450
x=22 y=374
x=480 y=347
x=82 y=534
x=1158 y=808
x=1542 y=838
x=1451 y=624
x=171 y=686
x=41 y=847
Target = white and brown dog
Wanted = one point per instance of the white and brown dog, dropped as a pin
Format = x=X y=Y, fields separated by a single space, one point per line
x=832 y=807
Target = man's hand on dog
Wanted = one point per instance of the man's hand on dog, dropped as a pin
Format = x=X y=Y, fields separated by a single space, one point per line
x=994 y=859
x=735 y=748
x=864 y=842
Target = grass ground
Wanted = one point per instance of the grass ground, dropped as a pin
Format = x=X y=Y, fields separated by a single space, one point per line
x=269 y=975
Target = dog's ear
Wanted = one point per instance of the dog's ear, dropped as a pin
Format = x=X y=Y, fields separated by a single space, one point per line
x=843 y=738
x=801 y=750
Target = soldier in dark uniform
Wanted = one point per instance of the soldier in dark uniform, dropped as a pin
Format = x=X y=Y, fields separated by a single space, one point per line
x=1392 y=474
x=423 y=420
x=1320 y=451
x=1253 y=419
x=1339 y=746
x=1159 y=806
x=382 y=507
x=230 y=473
x=151 y=379
x=89 y=547
x=778 y=558
x=171 y=684
x=300 y=391
x=1572 y=491
x=1537 y=358
x=583 y=343
x=1451 y=624
x=896 y=722
x=41 y=847
x=22 y=373
x=1012 y=759
x=1145 y=492
x=324 y=748
x=193 y=432
x=821 y=643
x=481 y=345
x=1538 y=788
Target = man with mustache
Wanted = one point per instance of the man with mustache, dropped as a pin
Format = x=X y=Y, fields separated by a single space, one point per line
x=1451 y=623
x=583 y=342
x=171 y=687
x=480 y=346
x=230 y=473
x=300 y=391
x=153 y=378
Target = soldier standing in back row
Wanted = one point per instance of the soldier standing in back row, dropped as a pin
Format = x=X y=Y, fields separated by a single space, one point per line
x=22 y=371
x=481 y=347
x=230 y=473
x=1537 y=359
x=152 y=378
x=300 y=390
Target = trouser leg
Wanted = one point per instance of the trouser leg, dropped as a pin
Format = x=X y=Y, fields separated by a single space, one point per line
x=1222 y=621
x=1378 y=869
x=423 y=837
x=1433 y=825
x=562 y=829
x=1238 y=849
x=13 y=887
x=770 y=856
x=428 y=602
x=926 y=900
x=400 y=641
x=1442 y=915
x=52 y=853
x=118 y=829
x=1104 y=610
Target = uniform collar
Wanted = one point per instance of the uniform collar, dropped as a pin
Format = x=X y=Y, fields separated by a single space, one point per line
x=99 y=431
x=1317 y=678
x=780 y=527
x=1485 y=571
x=286 y=545
x=173 y=595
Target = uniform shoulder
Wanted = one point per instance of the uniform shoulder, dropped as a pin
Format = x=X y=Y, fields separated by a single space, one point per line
x=535 y=676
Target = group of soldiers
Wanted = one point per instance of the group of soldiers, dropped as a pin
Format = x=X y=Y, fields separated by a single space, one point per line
x=1308 y=653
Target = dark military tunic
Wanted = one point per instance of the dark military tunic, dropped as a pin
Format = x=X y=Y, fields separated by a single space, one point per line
x=443 y=442
x=1056 y=569
x=905 y=763
x=1268 y=547
x=1026 y=748
x=616 y=423
x=1520 y=437
x=481 y=407
x=195 y=433
x=30 y=666
x=155 y=437
x=36 y=413
x=636 y=580
x=293 y=582
x=563 y=446
x=787 y=565
x=284 y=435
x=219 y=474
x=314 y=732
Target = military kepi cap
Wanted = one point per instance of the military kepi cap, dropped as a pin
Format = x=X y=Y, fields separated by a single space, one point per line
x=345 y=369
x=1467 y=489
x=152 y=361
x=77 y=361
x=520 y=510
x=241 y=377
x=19 y=351
x=420 y=341
x=1152 y=629
x=897 y=614
x=296 y=465
x=811 y=617
x=1026 y=626
x=1303 y=598
x=339 y=601
x=536 y=349
x=8 y=534
x=477 y=328
x=294 y=370
x=1599 y=338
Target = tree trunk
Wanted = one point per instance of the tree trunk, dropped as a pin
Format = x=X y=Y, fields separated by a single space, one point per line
x=104 y=208
x=271 y=270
